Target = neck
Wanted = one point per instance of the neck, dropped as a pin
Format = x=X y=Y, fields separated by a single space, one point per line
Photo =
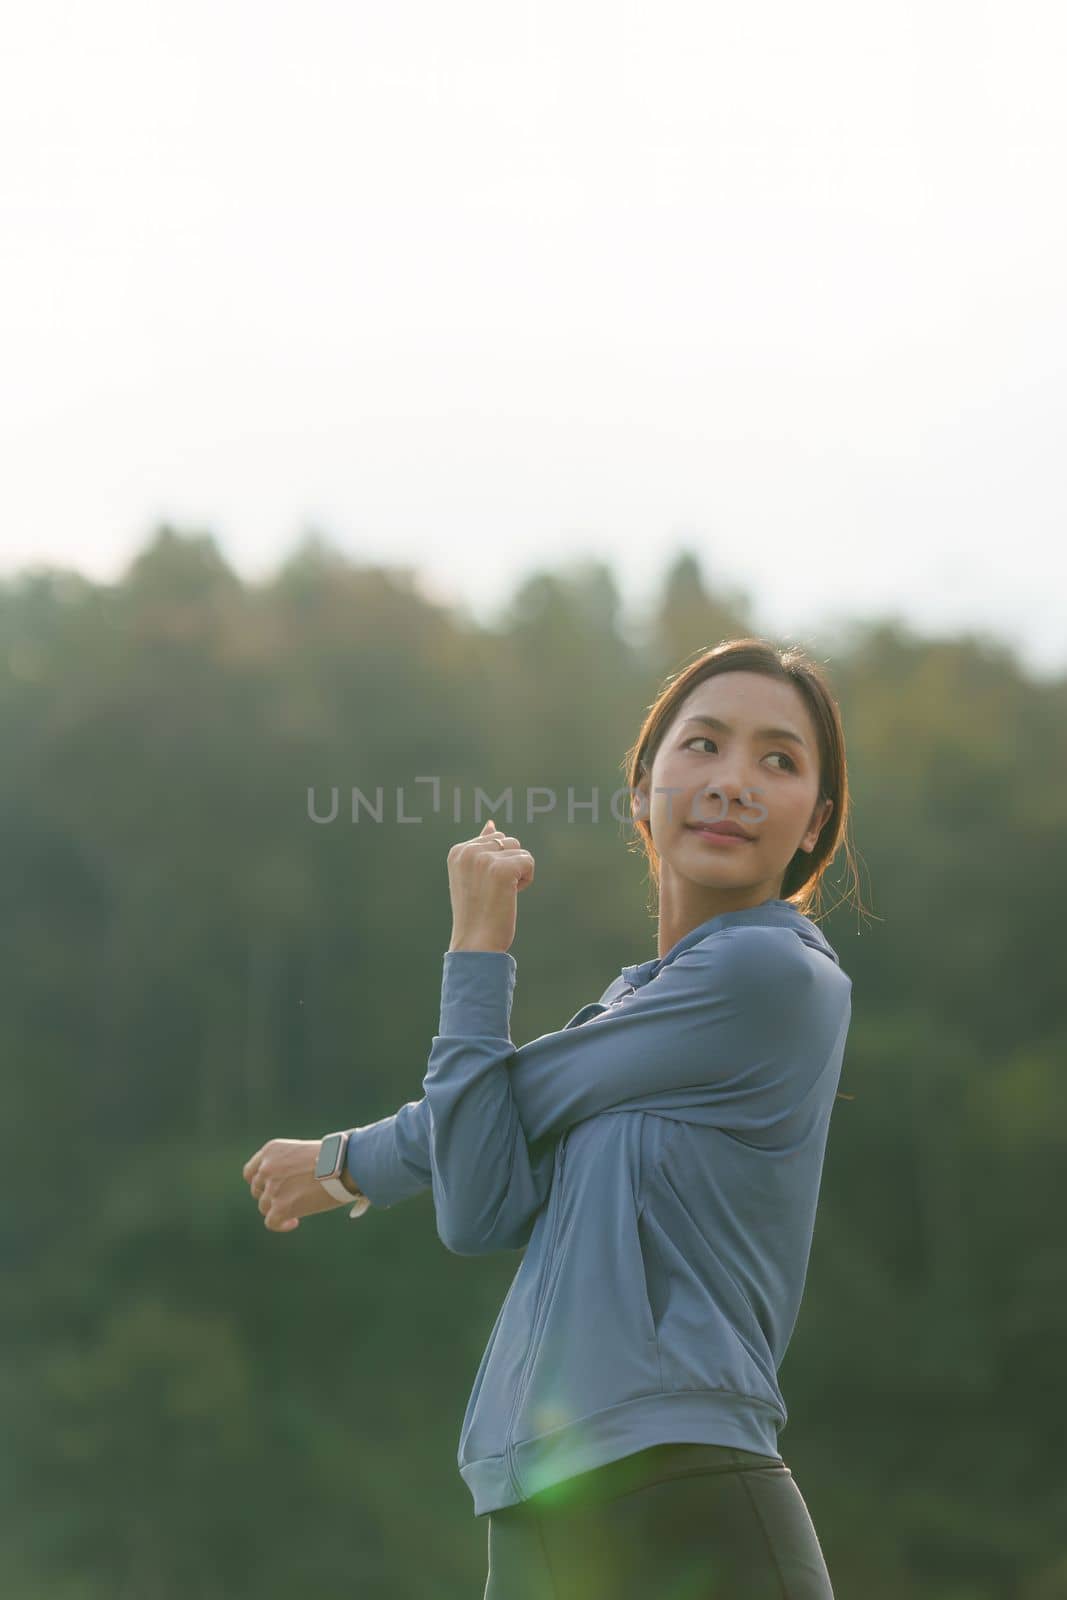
x=684 y=905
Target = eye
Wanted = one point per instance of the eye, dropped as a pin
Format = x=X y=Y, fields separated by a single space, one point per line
x=706 y=739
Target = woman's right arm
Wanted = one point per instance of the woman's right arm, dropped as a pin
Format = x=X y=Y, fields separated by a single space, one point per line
x=389 y=1161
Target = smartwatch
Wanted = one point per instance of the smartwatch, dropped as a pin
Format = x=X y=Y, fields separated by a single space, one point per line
x=329 y=1166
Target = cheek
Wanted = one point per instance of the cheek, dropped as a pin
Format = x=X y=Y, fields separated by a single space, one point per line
x=668 y=798
x=783 y=817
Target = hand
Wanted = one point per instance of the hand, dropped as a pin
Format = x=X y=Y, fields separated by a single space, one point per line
x=485 y=876
x=282 y=1178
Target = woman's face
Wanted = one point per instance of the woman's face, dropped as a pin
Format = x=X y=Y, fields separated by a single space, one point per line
x=767 y=784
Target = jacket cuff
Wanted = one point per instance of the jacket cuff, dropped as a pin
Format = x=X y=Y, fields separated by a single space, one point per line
x=476 y=992
x=370 y=1161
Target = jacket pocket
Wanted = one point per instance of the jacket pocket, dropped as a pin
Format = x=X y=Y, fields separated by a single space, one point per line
x=710 y=1337
x=653 y=1280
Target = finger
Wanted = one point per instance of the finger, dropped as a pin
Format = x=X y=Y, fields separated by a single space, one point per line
x=507 y=848
x=493 y=838
x=255 y=1163
x=279 y=1224
x=510 y=856
x=487 y=844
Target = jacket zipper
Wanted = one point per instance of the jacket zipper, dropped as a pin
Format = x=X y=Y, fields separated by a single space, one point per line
x=520 y=1387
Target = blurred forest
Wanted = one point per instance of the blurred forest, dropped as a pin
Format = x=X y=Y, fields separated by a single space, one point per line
x=195 y=1406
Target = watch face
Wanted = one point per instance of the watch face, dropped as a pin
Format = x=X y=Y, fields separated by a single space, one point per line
x=327 y=1159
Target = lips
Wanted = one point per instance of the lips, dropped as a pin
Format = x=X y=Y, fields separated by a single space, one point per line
x=720 y=827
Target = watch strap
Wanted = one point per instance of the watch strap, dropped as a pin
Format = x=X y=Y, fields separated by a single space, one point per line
x=335 y=1187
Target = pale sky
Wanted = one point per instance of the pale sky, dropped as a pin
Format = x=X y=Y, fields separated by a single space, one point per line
x=480 y=287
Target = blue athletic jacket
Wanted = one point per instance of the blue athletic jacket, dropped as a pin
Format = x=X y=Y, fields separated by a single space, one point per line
x=660 y=1156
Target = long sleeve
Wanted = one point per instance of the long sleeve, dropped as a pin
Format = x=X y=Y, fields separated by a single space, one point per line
x=734 y=1029
x=389 y=1160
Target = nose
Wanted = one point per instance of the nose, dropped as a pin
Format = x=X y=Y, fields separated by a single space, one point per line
x=721 y=801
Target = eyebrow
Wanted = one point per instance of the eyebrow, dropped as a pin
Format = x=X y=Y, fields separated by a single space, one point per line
x=761 y=733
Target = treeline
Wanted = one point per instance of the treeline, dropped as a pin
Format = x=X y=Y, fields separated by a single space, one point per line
x=197 y=1407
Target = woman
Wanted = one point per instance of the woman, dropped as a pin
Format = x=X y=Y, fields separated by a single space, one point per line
x=660 y=1158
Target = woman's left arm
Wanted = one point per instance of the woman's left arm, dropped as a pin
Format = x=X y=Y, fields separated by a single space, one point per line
x=741 y=1022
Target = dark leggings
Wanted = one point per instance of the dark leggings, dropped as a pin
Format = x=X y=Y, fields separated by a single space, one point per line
x=673 y=1522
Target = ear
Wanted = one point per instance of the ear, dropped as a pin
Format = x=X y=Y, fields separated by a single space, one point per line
x=820 y=817
x=640 y=809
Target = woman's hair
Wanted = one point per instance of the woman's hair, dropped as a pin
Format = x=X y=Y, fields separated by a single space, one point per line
x=802 y=883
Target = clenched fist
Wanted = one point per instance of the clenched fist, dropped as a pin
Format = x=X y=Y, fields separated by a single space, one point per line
x=485 y=877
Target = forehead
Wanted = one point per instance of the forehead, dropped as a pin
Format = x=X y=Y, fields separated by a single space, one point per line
x=749 y=700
